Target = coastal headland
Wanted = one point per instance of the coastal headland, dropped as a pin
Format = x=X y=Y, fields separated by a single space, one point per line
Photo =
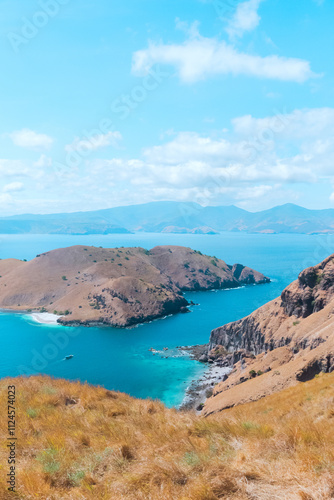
x=119 y=287
x=288 y=341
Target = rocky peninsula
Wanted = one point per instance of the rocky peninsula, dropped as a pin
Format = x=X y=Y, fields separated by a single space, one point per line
x=287 y=341
x=119 y=287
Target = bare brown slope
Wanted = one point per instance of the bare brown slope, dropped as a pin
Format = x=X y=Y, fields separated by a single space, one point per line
x=119 y=287
x=8 y=265
x=289 y=340
x=190 y=270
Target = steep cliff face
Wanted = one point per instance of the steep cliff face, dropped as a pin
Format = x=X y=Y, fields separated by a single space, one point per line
x=294 y=332
x=261 y=331
x=312 y=291
x=115 y=286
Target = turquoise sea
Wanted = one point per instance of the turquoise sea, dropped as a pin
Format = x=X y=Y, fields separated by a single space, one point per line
x=119 y=359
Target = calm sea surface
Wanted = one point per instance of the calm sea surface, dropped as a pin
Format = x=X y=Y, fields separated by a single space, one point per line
x=119 y=359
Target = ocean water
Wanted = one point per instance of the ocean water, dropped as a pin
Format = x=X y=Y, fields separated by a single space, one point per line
x=120 y=359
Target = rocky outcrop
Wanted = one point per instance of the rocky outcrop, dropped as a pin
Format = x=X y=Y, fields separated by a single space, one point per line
x=246 y=276
x=114 y=286
x=245 y=334
x=309 y=294
x=191 y=270
x=312 y=291
x=296 y=330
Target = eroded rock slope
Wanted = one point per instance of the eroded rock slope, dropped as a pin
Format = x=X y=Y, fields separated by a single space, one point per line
x=289 y=340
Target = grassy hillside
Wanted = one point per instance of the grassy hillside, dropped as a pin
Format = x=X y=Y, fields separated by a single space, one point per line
x=80 y=442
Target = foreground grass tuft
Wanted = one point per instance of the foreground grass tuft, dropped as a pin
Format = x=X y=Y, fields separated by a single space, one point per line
x=81 y=442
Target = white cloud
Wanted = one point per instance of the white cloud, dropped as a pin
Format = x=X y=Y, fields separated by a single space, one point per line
x=196 y=160
x=245 y=18
x=27 y=138
x=331 y=198
x=300 y=123
x=257 y=163
x=13 y=168
x=5 y=199
x=191 y=146
x=13 y=187
x=246 y=166
x=306 y=136
x=43 y=161
x=94 y=142
x=199 y=58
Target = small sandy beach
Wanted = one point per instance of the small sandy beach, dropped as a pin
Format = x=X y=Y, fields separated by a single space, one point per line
x=45 y=318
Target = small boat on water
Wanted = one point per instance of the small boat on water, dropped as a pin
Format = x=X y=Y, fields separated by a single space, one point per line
x=70 y=356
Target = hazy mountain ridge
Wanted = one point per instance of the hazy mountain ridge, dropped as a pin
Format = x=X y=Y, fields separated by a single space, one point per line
x=175 y=217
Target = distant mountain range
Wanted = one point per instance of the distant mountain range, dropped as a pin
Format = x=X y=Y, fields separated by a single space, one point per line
x=174 y=217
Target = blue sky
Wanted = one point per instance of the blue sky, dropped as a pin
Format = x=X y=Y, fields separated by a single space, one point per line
x=215 y=101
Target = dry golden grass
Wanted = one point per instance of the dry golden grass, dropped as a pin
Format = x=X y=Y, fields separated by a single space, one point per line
x=80 y=442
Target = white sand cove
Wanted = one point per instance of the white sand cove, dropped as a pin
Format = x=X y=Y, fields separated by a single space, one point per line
x=45 y=318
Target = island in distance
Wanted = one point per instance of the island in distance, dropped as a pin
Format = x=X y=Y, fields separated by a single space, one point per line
x=118 y=287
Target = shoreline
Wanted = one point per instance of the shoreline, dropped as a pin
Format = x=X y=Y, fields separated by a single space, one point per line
x=197 y=391
x=200 y=389
x=38 y=317
x=45 y=318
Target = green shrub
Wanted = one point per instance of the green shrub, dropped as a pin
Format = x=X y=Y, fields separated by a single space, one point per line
x=32 y=413
x=48 y=460
x=191 y=458
x=208 y=393
x=319 y=278
x=76 y=477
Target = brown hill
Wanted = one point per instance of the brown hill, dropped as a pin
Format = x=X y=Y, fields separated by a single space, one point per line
x=287 y=341
x=80 y=442
x=119 y=287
